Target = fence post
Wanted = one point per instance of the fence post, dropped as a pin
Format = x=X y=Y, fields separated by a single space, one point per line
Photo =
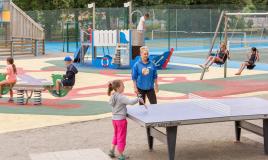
x=36 y=47
x=11 y=47
x=43 y=46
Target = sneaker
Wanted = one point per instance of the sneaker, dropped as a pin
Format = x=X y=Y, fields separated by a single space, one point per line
x=111 y=154
x=122 y=157
x=54 y=93
x=201 y=65
x=11 y=100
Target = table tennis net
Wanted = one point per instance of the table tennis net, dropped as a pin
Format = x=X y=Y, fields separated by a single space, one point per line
x=210 y=104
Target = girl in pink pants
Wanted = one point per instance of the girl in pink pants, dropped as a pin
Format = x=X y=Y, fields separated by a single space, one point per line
x=119 y=102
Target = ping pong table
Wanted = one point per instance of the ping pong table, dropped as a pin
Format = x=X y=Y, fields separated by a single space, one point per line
x=197 y=111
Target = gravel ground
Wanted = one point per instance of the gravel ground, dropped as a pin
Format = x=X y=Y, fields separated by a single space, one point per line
x=206 y=141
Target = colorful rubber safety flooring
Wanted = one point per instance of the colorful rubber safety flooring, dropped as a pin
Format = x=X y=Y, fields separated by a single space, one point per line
x=88 y=99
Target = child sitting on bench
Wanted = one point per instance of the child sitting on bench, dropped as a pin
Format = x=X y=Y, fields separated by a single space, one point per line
x=11 y=78
x=250 y=63
x=69 y=77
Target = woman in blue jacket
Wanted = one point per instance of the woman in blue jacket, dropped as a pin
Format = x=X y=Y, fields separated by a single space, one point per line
x=144 y=76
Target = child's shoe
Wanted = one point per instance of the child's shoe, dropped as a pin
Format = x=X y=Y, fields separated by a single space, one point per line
x=55 y=93
x=111 y=154
x=122 y=157
x=202 y=66
x=10 y=100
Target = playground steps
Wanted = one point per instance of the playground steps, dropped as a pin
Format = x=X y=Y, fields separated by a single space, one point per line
x=5 y=51
x=22 y=46
x=118 y=50
x=26 y=36
x=27 y=46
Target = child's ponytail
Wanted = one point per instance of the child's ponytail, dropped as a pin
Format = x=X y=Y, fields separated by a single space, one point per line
x=14 y=68
x=110 y=88
x=113 y=85
x=11 y=61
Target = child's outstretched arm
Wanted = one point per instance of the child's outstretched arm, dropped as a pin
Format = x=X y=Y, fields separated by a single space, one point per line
x=128 y=101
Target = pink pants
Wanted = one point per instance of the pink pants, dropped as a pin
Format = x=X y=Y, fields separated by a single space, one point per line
x=120 y=134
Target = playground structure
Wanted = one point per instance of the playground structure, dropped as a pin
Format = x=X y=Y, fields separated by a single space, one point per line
x=6 y=88
x=226 y=18
x=125 y=45
x=22 y=35
x=26 y=91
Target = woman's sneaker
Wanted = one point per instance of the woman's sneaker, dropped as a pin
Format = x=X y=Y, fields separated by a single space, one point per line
x=111 y=154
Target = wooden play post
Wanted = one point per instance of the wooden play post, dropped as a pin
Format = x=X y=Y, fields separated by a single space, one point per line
x=213 y=41
x=225 y=42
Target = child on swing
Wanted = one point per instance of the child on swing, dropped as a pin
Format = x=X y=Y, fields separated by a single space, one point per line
x=252 y=58
x=220 y=57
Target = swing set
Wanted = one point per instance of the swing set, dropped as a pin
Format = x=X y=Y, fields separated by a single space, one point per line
x=256 y=22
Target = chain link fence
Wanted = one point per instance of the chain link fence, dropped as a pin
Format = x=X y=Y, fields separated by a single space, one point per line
x=188 y=30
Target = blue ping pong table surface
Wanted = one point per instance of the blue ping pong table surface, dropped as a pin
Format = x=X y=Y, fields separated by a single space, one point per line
x=193 y=111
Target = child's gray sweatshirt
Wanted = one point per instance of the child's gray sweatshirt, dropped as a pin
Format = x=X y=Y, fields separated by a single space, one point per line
x=119 y=103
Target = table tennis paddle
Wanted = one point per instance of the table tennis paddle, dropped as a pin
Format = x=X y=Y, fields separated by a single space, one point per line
x=139 y=96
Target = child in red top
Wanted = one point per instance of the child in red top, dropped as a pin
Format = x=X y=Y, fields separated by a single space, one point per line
x=11 y=78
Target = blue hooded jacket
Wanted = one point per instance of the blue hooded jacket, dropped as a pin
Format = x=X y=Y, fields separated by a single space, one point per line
x=144 y=74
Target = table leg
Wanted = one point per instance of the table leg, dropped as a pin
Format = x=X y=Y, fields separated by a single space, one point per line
x=150 y=138
x=237 y=131
x=265 y=135
x=171 y=141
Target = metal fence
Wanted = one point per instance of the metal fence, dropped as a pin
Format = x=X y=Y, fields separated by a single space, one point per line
x=184 y=29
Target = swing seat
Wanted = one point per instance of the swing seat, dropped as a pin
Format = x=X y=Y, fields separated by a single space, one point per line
x=223 y=62
x=63 y=91
x=220 y=63
x=213 y=54
x=250 y=67
x=6 y=88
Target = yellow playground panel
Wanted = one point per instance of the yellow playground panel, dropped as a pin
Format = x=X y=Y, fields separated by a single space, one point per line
x=6 y=16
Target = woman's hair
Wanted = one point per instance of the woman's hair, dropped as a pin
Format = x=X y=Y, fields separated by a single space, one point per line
x=113 y=85
x=144 y=48
x=10 y=60
x=254 y=49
